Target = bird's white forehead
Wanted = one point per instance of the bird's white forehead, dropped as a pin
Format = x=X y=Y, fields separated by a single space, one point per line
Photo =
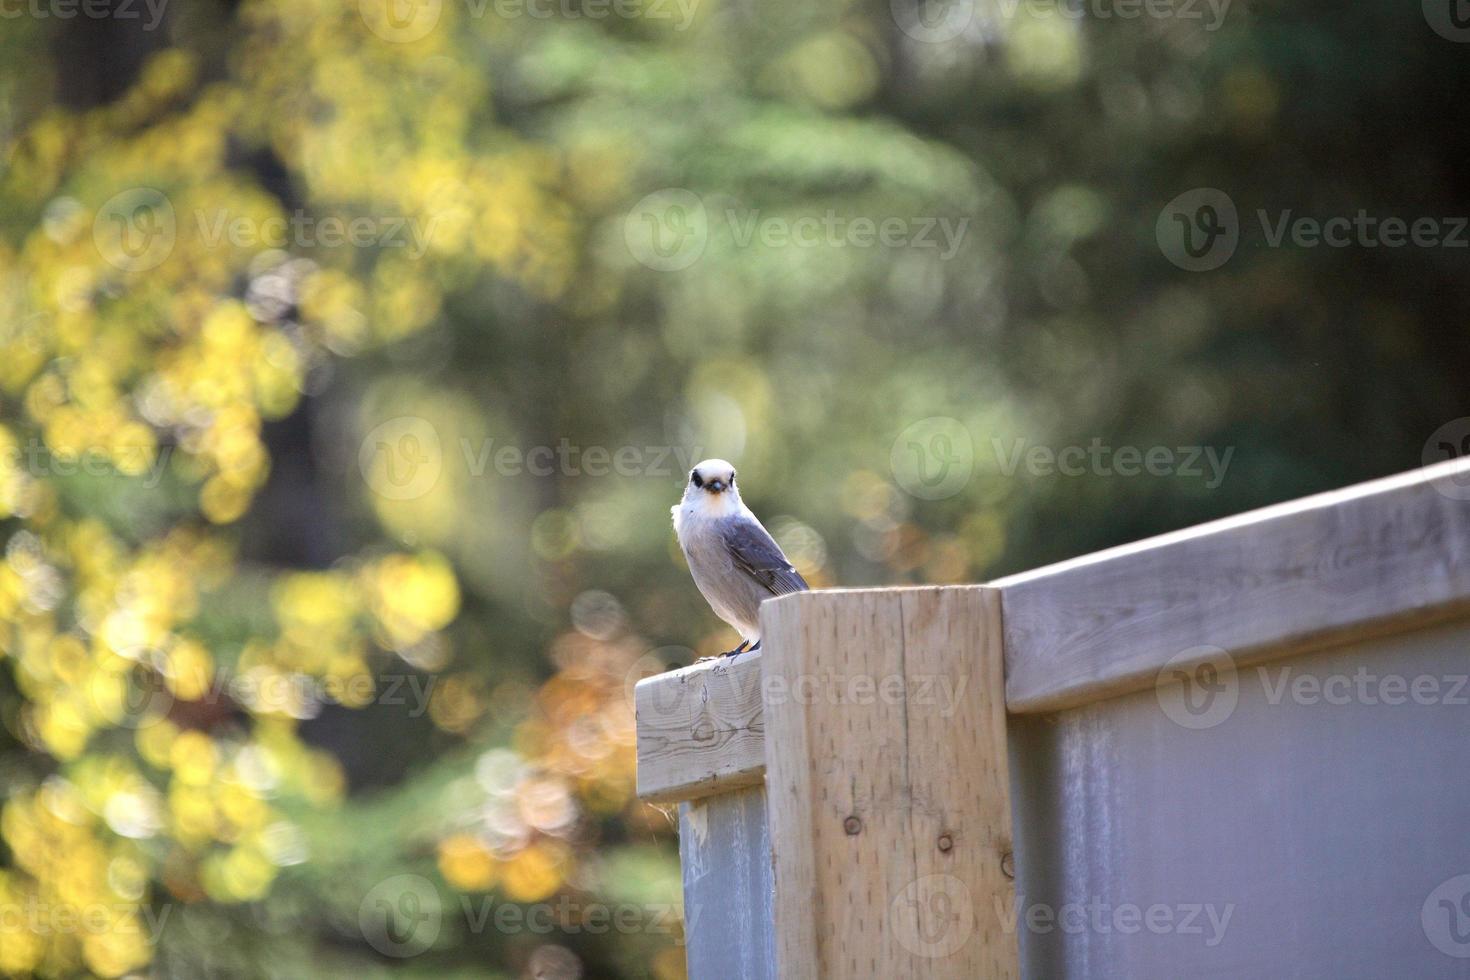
x=714 y=467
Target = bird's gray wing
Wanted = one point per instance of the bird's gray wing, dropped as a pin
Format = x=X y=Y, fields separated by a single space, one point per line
x=753 y=552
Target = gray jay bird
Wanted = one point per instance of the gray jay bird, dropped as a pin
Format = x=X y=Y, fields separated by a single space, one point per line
x=734 y=560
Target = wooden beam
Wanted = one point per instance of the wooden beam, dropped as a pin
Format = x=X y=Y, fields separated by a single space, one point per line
x=1371 y=559
x=700 y=730
x=887 y=788
x=1368 y=560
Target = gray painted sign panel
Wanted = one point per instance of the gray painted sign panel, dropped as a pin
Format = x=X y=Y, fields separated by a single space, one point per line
x=1308 y=817
x=725 y=850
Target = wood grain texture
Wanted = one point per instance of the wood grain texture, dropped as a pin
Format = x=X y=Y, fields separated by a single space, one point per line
x=1368 y=560
x=888 y=792
x=700 y=730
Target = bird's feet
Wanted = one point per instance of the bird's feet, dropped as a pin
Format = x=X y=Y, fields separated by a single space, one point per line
x=727 y=653
x=744 y=647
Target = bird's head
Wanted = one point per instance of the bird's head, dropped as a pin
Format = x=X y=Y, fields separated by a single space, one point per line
x=711 y=488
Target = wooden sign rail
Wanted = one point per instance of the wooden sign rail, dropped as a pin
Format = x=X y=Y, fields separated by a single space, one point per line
x=1230 y=750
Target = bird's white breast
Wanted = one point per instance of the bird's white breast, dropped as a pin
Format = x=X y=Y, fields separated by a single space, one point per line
x=701 y=510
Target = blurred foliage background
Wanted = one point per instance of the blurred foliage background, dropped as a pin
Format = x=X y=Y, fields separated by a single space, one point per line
x=352 y=354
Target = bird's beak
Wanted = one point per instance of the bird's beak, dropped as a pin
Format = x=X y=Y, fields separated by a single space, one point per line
x=715 y=486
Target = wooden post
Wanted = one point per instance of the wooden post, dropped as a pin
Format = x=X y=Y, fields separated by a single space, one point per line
x=860 y=759
x=888 y=793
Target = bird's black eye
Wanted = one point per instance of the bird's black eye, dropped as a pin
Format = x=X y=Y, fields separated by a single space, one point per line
x=732 y=478
x=695 y=478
